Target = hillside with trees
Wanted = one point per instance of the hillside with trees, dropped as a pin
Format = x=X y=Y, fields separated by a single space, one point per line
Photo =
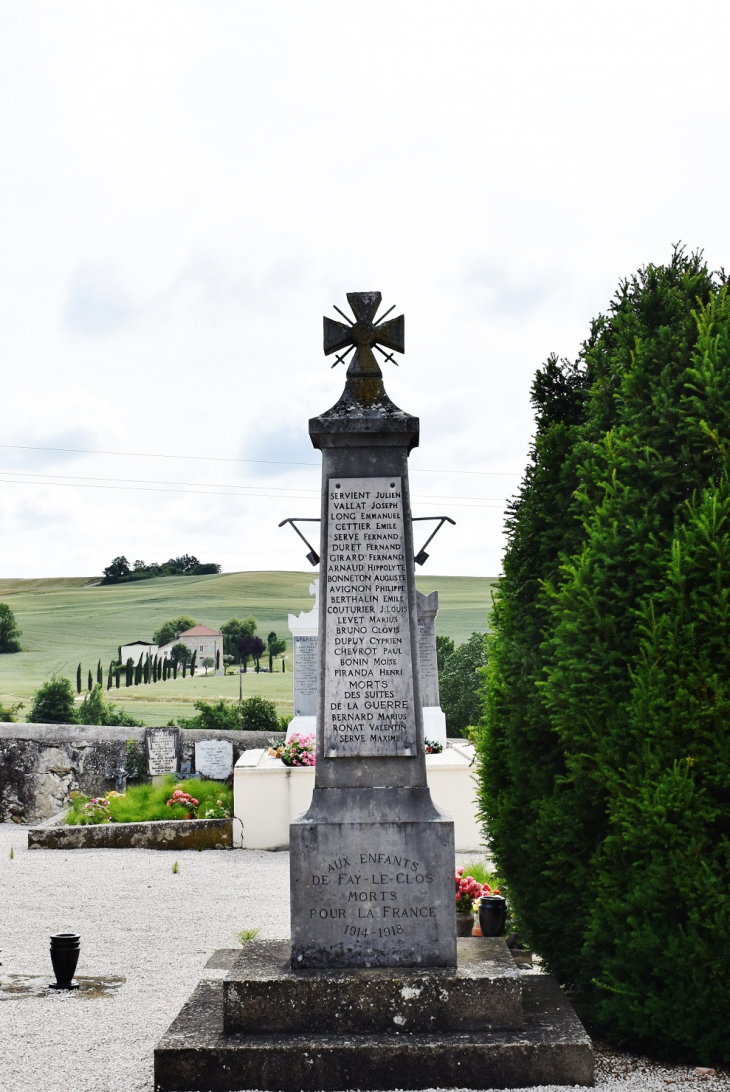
x=120 y=571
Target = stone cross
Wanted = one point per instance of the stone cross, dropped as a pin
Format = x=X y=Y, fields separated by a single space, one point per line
x=372 y=861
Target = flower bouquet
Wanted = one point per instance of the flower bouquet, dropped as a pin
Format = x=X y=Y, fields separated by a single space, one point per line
x=185 y=800
x=95 y=811
x=299 y=751
x=217 y=810
x=433 y=747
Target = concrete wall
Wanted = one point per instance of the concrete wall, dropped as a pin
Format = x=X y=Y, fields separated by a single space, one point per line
x=42 y=764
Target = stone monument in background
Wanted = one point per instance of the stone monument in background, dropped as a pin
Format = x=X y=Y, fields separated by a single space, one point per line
x=304 y=628
x=434 y=721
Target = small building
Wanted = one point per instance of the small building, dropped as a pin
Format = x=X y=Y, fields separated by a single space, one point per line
x=135 y=649
x=204 y=642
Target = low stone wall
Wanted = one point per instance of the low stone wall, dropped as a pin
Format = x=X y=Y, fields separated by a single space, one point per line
x=162 y=834
x=42 y=764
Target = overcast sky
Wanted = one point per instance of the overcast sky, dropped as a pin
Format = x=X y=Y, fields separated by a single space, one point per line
x=187 y=187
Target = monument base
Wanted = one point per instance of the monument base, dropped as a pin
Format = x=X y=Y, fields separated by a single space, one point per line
x=483 y=1024
x=376 y=890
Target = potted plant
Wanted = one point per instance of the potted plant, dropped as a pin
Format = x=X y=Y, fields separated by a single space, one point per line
x=468 y=890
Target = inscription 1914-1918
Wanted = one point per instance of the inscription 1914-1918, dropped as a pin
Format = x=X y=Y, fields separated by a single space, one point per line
x=372 y=894
x=368 y=685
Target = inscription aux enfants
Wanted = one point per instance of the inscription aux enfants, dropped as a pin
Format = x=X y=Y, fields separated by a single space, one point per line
x=373 y=894
x=368 y=669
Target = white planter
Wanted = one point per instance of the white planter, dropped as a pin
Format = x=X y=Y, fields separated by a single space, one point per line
x=268 y=795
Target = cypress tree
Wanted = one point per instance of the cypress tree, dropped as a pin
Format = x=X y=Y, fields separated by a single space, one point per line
x=138 y=670
x=604 y=754
x=174 y=669
x=78 y=679
x=99 y=674
x=117 y=673
x=91 y=681
x=109 y=678
x=192 y=662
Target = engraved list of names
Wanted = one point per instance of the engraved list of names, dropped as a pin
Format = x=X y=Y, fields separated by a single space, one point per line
x=368 y=687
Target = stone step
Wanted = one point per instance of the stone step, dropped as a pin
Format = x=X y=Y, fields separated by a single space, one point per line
x=263 y=994
x=550 y=1048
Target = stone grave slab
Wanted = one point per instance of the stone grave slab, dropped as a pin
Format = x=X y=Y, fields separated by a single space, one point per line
x=163 y=748
x=214 y=758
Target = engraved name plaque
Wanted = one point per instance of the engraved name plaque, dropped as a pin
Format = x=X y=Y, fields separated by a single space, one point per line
x=368 y=685
x=306 y=655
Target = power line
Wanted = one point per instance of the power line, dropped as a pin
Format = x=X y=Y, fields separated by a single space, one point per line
x=280 y=489
x=220 y=459
x=210 y=492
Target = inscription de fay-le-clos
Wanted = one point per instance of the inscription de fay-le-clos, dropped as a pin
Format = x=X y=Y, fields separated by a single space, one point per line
x=368 y=706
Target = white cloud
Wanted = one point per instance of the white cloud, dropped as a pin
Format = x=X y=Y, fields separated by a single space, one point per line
x=188 y=187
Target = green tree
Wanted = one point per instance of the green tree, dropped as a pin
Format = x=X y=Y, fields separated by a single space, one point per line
x=258 y=715
x=170 y=629
x=234 y=630
x=90 y=681
x=9 y=631
x=94 y=709
x=99 y=673
x=604 y=748
x=444 y=647
x=115 y=572
x=78 y=679
x=9 y=713
x=275 y=646
x=180 y=654
x=53 y=703
x=461 y=683
x=223 y=716
x=208 y=662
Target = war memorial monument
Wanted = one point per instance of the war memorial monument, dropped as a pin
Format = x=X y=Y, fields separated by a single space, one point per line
x=372 y=991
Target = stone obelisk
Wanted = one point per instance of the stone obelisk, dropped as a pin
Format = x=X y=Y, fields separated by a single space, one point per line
x=372 y=861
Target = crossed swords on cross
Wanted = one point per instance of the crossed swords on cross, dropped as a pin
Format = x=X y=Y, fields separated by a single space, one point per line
x=364 y=334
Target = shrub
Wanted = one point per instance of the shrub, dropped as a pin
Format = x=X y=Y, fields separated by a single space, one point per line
x=605 y=755
x=53 y=703
x=95 y=710
x=258 y=715
x=9 y=712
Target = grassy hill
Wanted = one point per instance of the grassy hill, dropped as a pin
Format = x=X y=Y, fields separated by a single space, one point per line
x=65 y=621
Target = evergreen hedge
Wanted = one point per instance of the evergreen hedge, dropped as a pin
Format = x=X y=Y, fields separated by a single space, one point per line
x=605 y=747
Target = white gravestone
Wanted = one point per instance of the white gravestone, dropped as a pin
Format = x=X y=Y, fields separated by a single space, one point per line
x=434 y=721
x=162 y=750
x=214 y=758
x=304 y=628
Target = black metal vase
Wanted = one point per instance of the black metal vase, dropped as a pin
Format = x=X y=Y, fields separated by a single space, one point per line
x=492 y=915
x=65 y=949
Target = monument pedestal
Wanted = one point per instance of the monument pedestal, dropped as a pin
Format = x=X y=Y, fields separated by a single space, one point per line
x=375 y=888
x=481 y=1024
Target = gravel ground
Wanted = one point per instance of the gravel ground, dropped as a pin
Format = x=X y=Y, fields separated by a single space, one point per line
x=156 y=928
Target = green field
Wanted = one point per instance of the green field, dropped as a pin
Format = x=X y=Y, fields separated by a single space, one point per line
x=64 y=622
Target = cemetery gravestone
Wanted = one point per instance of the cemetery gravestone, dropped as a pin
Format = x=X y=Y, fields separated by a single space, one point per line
x=214 y=758
x=162 y=750
x=434 y=720
x=304 y=628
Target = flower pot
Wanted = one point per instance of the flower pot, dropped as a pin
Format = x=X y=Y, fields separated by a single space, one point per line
x=464 y=924
x=65 y=948
x=492 y=915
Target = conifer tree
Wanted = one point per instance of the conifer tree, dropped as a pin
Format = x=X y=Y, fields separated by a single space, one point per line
x=99 y=673
x=111 y=672
x=606 y=782
x=78 y=679
x=90 y=681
